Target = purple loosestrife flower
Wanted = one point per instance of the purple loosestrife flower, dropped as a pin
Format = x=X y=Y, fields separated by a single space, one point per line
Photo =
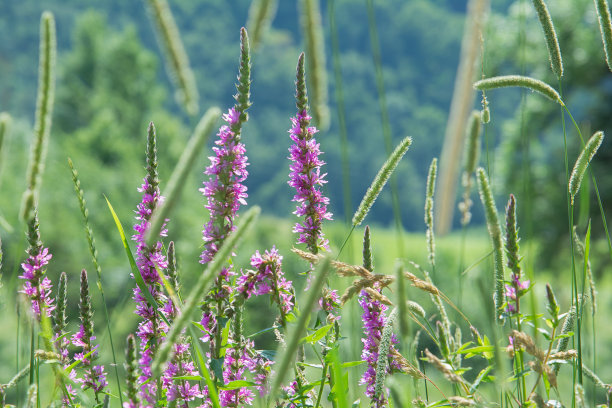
x=373 y=324
x=225 y=193
x=37 y=287
x=268 y=277
x=237 y=362
x=151 y=330
x=305 y=174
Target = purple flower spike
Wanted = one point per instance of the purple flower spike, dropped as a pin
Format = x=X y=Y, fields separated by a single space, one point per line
x=36 y=287
x=224 y=190
x=373 y=324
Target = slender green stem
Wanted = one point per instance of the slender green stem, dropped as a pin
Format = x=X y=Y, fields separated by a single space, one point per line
x=570 y=217
x=601 y=209
x=384 y=114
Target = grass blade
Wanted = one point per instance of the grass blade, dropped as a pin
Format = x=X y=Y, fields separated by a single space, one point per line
x=135 y=271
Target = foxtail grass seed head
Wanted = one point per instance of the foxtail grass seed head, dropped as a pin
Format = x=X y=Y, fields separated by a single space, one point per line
x=173 y=268
x=519 y=81
x=462 y=402
x=382 y=363
x=579 y=396
x=605 y=26
x=472 y=147
x=32 y=396
x=593 y=377
x=177 y=61
x=85 y=213
x=444 y=368
x=442 y=340
x=552 y=43
x=367 y=250
x=583 y=162
x=44 y=113
x=131 y=369
x=512 y=239
x=312 y=29
x=580 y=248
x=261 y=14
x=429 y=205
x=380 y=180
x=486 y=196
x=485 y=113
x=415 y=308
x=553 y=306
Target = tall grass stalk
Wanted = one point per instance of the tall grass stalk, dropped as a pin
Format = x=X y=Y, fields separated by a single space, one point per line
x=44 y=113
x=599 y=203
x=339 y=88
x=461 y=104
x=177 y=61
x=261 y=14
x=286 y=355
x=94 y=258
x=312 y=29
x=486 y=196
x=181 y=171
x=384 y=117
x=429 y=215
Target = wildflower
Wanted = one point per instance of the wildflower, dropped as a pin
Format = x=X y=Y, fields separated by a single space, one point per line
x=37 y=287
x=329 y=303
x=305 y=174
x=268 y=278
x=373 y=324
x=151 y=330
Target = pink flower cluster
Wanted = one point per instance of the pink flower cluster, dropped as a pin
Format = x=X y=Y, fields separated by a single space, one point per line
x=373 y=323
x=306 y=178
x=38 y=290
x=515 y=291
x=224 y=190
x=269 y=278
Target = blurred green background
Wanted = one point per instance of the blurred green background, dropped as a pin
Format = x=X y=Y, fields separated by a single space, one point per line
x=111 y=83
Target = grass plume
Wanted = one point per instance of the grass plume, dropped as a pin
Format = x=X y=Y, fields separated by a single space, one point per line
x=177 y=61
x=605 y=26
x=429 y=206
x=582 y=163
x=519 y=81
x=552 y=43
x=486 y=196
x=44 y=113
x=261 y=14
x=380 y=180
x=312 y=29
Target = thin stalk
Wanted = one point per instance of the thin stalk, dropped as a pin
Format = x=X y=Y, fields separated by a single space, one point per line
x=570 y=217
x=338 y=84
x=384 y=115
x=601 y=210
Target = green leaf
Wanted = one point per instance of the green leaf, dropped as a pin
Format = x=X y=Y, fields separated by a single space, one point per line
x=237 y=384
x=318 y=335
x=216 y=364
x=135 y=271
x=352 y=363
